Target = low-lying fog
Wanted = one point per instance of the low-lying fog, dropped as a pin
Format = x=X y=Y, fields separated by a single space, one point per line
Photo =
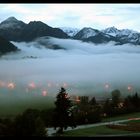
x=83 y=68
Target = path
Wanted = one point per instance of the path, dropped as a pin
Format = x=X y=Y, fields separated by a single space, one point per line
x=51 y=131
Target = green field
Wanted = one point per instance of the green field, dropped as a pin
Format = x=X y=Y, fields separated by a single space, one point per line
x=131 y=122
x=95 y=131
x=121 y=117
x=104 y=130
x=12 y=107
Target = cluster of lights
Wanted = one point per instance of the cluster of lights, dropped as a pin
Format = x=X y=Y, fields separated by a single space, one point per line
x=30 y=86
x=129 y=87
x=9 y=85
x=44 y=92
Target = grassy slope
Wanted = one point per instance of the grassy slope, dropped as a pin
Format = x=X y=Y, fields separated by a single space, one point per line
x=121 y=117
x=94 y=131
x=103 y=130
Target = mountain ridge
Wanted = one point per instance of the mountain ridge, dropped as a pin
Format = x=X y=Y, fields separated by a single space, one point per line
x=16 y=30
x=109 y=34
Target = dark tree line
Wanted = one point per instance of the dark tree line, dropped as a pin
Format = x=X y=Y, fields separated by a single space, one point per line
x=117 y=106
x=29 y=123
x=132 y=103
x=33 y=122
x=88 y=111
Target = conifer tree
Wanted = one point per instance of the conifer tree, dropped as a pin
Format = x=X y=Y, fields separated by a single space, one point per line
x=63 y=115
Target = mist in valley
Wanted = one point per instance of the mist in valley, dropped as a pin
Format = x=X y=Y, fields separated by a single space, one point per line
x=44 y=65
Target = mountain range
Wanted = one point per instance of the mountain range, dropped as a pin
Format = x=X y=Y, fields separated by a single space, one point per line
x=16 y=30
x=109 y=34
x=70 y=31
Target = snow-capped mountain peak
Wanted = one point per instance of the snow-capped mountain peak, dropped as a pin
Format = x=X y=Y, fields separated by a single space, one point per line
x=127 y=31
x=70 y=31
x=11 y=22
x=111 y=31
x=86 y=33
x=116 y=32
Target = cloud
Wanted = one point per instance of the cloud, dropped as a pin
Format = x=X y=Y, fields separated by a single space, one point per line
x=94 y=15
x=84 y=67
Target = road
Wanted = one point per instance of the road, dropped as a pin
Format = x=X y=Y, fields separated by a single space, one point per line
x=51 y=131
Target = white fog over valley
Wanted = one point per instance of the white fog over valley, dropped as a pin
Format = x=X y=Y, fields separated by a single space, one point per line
x=55 y=46
x=83 y=68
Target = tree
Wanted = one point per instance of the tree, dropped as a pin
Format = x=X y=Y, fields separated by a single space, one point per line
x=136 y=101
x=115 y=97
x=29 y=124
x=40 y=127
x=128 y=105
x=94 y=115
x=84 y=100
x=107 y=108
x=63 y=115
x=46 y=116
x=132 y=103
x=84 y=103
x=93 y=101
x=6 y=127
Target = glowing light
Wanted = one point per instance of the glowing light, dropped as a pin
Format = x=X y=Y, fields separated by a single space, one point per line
x=106 y=86
x=77 y=99
x=44 y=93
x=66 y=95
x=11 y=85
x=129 y=88
x=32 y=85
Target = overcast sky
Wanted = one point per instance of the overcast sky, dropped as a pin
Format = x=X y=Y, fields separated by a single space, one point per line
x=98 y=16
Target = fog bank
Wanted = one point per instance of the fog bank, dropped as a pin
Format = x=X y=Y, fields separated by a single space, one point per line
x=83 y=68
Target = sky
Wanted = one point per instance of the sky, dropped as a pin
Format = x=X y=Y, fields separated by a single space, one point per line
x=97 y=16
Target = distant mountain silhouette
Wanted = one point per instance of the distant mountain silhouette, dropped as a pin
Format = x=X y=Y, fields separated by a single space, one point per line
x=16 y=30
x=6 y=46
